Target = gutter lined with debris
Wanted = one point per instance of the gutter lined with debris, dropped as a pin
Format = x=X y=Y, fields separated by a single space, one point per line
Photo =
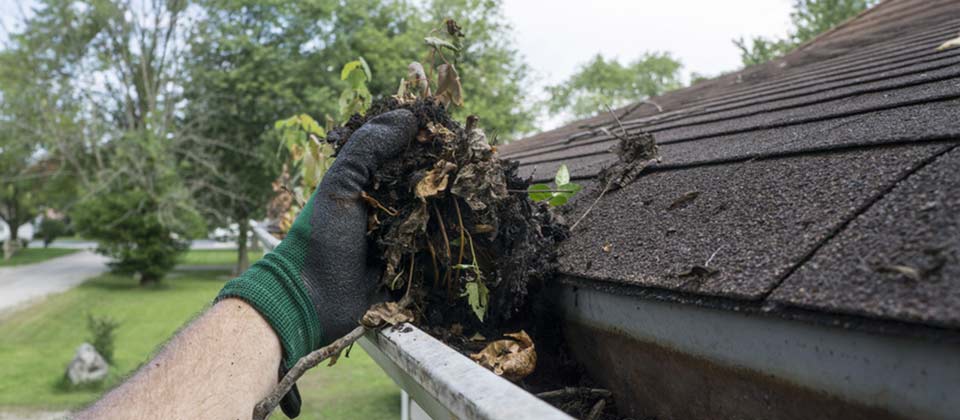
x=686 y=361
x=443 y=382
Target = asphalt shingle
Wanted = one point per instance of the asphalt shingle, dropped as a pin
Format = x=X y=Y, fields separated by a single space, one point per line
x=801 y=181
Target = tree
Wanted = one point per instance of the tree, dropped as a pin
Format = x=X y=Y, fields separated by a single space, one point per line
x=26 y=172
x=605 y=82
x=246 y=72
x=115 y=68
x=809 y=18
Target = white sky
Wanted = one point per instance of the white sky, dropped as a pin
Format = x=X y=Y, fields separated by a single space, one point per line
x=556 y=36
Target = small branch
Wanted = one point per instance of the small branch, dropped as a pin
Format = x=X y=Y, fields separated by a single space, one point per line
x=575 y=392
x=589 y=209
x=707 y=264
x=268 y=404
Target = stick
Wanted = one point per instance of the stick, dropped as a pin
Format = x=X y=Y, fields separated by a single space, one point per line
x=268 y=404
x=589 y=209
x=574 y=391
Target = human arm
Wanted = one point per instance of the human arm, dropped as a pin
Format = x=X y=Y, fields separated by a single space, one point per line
x=309 y=291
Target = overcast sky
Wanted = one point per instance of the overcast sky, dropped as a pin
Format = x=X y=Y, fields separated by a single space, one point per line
x=556 y=36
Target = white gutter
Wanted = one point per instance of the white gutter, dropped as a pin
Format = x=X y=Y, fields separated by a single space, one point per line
x=911 y=377
x=443 y=382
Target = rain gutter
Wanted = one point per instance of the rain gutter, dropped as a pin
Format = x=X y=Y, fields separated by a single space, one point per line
x=907 y=377
x=443 y=383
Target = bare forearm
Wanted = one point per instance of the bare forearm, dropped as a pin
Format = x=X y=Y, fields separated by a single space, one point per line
x=217 y=367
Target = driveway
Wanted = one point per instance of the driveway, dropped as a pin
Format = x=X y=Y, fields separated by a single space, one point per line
x=24 y=283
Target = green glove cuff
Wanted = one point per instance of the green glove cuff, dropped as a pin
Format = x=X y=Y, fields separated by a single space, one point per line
x=274 y=288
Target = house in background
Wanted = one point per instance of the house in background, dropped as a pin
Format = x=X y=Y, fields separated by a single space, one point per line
x=796 y=253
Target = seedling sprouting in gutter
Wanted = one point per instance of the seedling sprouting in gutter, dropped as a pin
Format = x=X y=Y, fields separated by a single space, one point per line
x=561 y=191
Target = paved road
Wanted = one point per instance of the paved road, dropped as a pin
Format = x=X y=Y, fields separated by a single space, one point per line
x=84 y=244
x=24 y=283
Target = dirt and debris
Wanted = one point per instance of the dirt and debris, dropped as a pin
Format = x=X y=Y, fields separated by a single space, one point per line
x=471 y=255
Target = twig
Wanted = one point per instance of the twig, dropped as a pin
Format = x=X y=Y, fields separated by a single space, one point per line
x=707 y=264
x=268 y=404
x=574 y=391
x=375 y=203
x=597 y=410
x=589 y=209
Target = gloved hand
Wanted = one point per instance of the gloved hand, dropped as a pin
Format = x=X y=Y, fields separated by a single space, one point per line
x=314 y=287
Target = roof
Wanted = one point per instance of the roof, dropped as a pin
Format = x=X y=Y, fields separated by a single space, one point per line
x=824 y=181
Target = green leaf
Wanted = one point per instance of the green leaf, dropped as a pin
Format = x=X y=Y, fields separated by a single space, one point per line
x=570 y=188
x=563 y=176
x=349 y=68
x=559 y=200
x=357 y=80
x=464 y=266
x=477 y=295
x=366 y=68
x=439 y=43
x=539 y=192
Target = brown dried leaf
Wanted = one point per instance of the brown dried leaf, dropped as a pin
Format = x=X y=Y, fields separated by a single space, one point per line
x=417 y=80
x=403 y=236
x=439 y=132
x=449 y=90
x=435 y=180
x=513 y=359
x=387 y=312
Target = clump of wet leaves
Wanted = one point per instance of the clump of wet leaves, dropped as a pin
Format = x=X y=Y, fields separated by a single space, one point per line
x=447 y=226
x=462 y=244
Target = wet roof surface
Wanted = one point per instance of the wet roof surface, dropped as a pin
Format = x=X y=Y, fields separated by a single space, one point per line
x=827 y=180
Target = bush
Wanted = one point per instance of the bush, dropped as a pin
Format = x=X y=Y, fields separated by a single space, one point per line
x=51 y=229
x=102 y=330
x=128 y=228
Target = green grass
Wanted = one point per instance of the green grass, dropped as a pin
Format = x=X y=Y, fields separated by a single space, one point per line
x=34 y=255
x=216 y=257
x=38 y=342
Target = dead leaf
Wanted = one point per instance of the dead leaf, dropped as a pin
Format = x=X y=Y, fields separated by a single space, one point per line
x=953 y=43
x=607 y=248
x=449 y=90
x=456 y=329
x=417 y=80
x=477 y=337
x=403 y=236
x=441 y=133
x=684 y=199
x=514 y=359
x=435 y=180
x=386 y=312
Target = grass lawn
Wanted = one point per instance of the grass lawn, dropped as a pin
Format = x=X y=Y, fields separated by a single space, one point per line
x=39 y=341
x=34 y=255
x=216 y=257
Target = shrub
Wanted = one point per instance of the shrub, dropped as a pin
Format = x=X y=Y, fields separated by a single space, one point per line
x=50 y=229
x=128 y=227
x=102 y=329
